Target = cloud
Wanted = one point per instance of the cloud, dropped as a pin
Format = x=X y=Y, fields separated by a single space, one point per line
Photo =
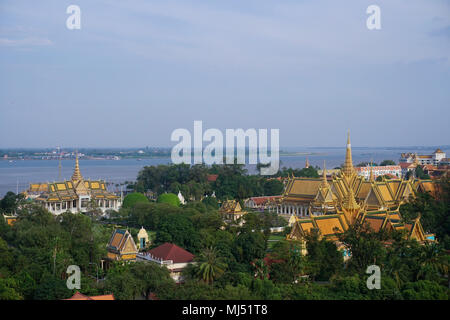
x=26 y=42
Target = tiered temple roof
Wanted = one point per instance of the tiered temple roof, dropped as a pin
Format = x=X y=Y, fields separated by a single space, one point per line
x=231 y=207
x=347 y=198
x=121 y=246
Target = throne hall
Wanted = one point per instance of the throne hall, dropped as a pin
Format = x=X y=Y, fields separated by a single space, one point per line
x=74 y=195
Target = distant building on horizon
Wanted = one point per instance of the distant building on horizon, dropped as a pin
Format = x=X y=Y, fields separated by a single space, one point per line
x=435 y=158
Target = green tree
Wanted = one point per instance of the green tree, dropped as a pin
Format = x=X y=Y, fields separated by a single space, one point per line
x=387 y=163
x=131 y=199
x=420 y=174
x=249 y=246
x=121 y=282
x=51 y=288
x=273 y=187
x=178 y=229
x=365 y=245
x=425 y=290
x=8 y=289
x=169 y=198
x=152 y=278
x=323 y=259
x=211 y=202
x=10 y=202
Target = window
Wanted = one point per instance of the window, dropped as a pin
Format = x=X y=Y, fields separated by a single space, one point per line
x=84 y=202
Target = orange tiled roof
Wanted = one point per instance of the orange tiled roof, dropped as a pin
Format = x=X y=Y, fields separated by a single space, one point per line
x=262 y=200
x=212 y=177
x=80 y=296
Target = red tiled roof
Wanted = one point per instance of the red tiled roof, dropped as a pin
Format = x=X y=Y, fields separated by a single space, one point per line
x=170 y=251
x=212 y=177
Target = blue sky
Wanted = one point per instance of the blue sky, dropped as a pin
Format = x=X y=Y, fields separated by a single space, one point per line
x=139 y=69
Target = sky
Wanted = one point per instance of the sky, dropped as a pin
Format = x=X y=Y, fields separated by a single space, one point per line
x=137 y=70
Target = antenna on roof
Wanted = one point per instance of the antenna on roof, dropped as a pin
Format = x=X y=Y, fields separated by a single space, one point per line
x=59 y=164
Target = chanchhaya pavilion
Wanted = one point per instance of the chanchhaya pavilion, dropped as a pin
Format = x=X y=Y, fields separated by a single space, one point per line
x=330 y=205
x=74 y=195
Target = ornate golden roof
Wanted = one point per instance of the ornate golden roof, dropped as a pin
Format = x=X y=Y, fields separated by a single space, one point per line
x=231 y=206
x=72 y=189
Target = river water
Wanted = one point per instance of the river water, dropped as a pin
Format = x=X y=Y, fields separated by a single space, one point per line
x=18 y=174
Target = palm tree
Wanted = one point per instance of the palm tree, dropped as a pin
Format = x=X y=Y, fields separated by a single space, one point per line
x=433 y=263
x=210 y=266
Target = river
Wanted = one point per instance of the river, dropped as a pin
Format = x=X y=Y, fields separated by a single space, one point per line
x=18 y=174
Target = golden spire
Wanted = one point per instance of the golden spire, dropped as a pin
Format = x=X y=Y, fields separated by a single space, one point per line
x=76 y=173
x=348 y=164
x=371 y=179
x=306 y=162
x=324 y=175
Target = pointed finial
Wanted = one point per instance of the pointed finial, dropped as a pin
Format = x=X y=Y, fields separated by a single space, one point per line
x=76 y=173
x=306 y=162
x=324 y=174
x=348 y=164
